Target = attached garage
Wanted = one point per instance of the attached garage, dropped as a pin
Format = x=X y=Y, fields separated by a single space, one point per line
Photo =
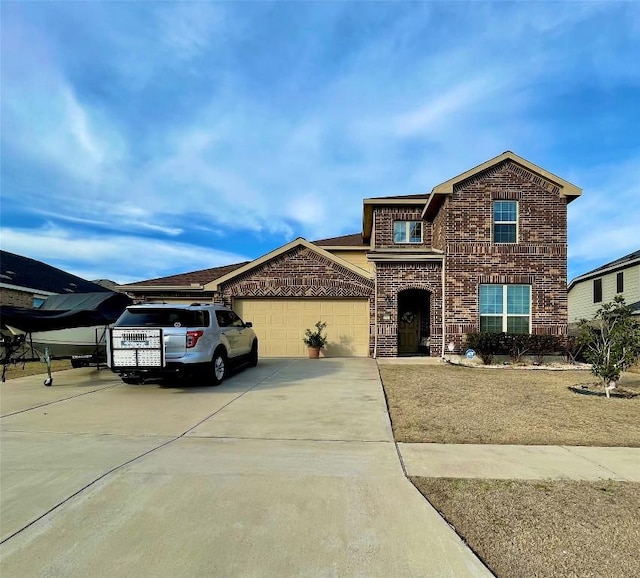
x=280 y=324
x=292 y=288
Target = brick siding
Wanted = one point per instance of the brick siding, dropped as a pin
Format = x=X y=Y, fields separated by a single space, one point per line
x=394 y=277
x=383 y=225
x=538 y=259
x=299 y=272
x=16 y=298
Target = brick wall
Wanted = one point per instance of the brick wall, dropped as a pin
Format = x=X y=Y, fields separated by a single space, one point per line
x=538 y=259
x=16 y=298
x=299 y=272
x=394 y=277
x=383 y=226
x=439 y=227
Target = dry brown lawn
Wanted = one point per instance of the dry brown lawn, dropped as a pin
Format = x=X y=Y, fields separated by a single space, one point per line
x=35 y=368
x=545 y=529
x=452 y=404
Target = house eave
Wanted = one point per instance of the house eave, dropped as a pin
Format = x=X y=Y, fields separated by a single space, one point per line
x=149 y=288
x=404 y=255
x=25 y=289
x=567 y=189
x=600 y=272
x=367 y=210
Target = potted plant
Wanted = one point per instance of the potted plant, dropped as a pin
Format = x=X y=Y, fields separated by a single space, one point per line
x=314 y=340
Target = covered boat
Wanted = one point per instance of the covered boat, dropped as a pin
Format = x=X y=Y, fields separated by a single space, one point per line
x=69 y=325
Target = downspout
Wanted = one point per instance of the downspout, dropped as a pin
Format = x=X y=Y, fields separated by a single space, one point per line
x=444 y=259
x=375 y=315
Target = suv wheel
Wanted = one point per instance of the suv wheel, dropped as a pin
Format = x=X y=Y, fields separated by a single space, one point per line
x=218 y=370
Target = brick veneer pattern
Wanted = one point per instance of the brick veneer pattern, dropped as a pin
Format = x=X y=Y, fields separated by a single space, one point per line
x=383 y=229
x=539 y=258
x=299 y=272
x=394 y=277
x=16 y=298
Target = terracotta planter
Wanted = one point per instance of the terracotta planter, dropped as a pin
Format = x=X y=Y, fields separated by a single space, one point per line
x=314 y=352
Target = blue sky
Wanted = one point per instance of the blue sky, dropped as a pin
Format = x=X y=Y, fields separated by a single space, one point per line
x=143 y=139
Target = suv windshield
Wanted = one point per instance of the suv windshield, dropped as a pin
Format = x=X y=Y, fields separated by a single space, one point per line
x=163 y=318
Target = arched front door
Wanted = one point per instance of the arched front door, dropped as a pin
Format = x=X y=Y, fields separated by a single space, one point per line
x=413 y=322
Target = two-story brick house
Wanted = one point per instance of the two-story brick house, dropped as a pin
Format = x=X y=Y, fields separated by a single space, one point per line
x=486 y=250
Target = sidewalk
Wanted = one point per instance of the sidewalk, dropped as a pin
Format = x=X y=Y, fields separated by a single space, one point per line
x=521 y=462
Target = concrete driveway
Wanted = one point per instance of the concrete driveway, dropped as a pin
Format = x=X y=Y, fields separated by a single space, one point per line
x=287 y=469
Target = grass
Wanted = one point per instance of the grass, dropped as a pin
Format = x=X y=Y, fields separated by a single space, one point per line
x=545 y=529
x=35 y=368
x=451 y=404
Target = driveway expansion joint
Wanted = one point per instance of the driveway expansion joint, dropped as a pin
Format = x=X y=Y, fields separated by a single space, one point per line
x=300 y=439
x=615 y=474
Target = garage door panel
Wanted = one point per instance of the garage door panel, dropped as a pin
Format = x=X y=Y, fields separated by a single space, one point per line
x=280 y=324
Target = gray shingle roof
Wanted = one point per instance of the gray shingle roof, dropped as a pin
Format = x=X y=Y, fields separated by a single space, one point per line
x=354 y=240
x=202 y=277
x=32 y=274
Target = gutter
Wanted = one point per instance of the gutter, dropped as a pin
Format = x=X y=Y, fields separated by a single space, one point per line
x=444 y=301
x=375 y=317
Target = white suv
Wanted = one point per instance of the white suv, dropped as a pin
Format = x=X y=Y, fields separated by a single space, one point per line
x=170 y=340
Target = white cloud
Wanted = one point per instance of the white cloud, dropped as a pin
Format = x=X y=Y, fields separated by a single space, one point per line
x=120 y=258
x=604 y=223
x=188 y=29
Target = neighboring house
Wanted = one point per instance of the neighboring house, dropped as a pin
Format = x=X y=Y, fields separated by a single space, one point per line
x=486 y=250
x=108 y=284
x=589 y=291
x=27 y=283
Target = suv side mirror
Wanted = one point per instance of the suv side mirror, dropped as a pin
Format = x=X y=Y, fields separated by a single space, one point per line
x=248 y=324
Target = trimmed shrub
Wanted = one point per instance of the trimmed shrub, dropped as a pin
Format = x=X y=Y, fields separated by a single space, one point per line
x=542 y=345
x=515 y=345
x=486 y=345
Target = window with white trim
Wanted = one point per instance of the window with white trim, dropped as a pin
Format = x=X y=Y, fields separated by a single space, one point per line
x=505 y=308
x=505 y=221
x=407 y=231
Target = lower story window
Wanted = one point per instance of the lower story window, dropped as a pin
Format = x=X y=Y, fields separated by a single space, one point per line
x=505 y=308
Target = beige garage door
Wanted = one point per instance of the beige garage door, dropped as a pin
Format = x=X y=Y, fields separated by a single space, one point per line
x=280 y=324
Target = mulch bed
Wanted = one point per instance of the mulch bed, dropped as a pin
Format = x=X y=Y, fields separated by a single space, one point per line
x=597 y=390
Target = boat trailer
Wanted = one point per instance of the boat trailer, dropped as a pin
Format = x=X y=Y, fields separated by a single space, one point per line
x=18 y=350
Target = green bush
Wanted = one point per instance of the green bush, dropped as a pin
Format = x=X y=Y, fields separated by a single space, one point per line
x=544 y=344
x=515 y=345
x=486 y=345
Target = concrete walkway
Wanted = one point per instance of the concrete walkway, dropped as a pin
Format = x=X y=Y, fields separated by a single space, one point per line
x=521 y=462
x=287 y=469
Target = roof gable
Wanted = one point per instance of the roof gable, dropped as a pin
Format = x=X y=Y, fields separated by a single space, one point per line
x=299 y=242
x=523 y=167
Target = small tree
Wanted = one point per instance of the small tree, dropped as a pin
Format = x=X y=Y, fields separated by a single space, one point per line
x=611 y=340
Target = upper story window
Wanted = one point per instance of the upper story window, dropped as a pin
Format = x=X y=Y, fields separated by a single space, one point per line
x=505 y=222
x=505 y=308
x=407 y=231
x=597 y=290
x=620 y=282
